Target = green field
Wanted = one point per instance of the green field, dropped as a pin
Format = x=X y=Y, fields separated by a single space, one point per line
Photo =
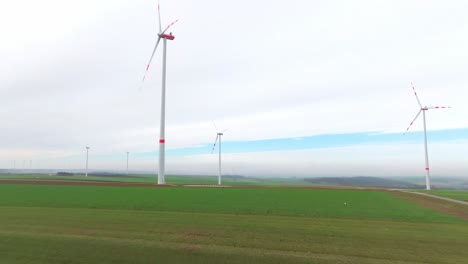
x=454 y=194
x=170 y=179
x=93 y=224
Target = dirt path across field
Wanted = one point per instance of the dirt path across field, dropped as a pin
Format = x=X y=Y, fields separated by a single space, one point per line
x=445 y=205
x=442 y=198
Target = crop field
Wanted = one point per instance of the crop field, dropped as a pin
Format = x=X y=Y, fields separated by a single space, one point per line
x=102 y=224
x=171 y=179
x=454 y=194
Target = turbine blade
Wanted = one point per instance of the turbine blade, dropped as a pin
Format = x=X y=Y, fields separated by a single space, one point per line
x=438 y=107
x=216 y=128
x=149 y=63
x=214 y=145
x=413 y=121
x=170 y=25
x=159 y=17
x=415 y=94
x=225 y=130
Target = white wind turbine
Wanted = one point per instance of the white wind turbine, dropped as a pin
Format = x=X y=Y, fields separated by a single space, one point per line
x=423 y=109
x=127 y=162
x=161 y=35
x=87 y=150
x=218 y=138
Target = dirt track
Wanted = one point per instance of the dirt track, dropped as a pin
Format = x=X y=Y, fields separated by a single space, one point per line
x=436 y=203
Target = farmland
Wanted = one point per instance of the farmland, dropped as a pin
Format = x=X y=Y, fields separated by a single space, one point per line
x=99 y=224
x=454 y=194
x=172 y=179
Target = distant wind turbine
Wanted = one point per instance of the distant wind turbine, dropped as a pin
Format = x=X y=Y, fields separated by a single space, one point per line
x=87 y=150
x=218 y=138
x=127 y=162
x=423 y=109
x=161 y=35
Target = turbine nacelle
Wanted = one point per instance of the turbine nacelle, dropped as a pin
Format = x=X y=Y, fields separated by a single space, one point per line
x=167 y=36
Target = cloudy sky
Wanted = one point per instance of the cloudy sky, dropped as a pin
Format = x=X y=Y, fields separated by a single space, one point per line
x=305 y=88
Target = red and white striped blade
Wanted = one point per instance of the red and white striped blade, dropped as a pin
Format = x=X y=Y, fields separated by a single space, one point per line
x=437 y=107
x=214 y=145
x=413 y=121
x=415 y=94
x=168 y=26
x=152 y=55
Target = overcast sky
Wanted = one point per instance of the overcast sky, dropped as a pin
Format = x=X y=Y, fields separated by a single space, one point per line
x=272 y=72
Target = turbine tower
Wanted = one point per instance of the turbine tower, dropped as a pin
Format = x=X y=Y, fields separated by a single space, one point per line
x=218 y=138
x=127 y=162
x=423 y=109
x=161 y=35
x=87 y=150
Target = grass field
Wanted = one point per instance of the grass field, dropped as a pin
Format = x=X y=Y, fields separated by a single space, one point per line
x=454 y=194
x=95 y=224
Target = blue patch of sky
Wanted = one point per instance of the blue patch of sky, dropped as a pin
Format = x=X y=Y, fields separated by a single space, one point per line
x=323 y=141
x=302 y=143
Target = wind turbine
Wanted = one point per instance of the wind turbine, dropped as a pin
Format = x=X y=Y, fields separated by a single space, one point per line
x=218 y=138
x=423 y=109
x=87 y=150
x=161 y=35
x=127 y=162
